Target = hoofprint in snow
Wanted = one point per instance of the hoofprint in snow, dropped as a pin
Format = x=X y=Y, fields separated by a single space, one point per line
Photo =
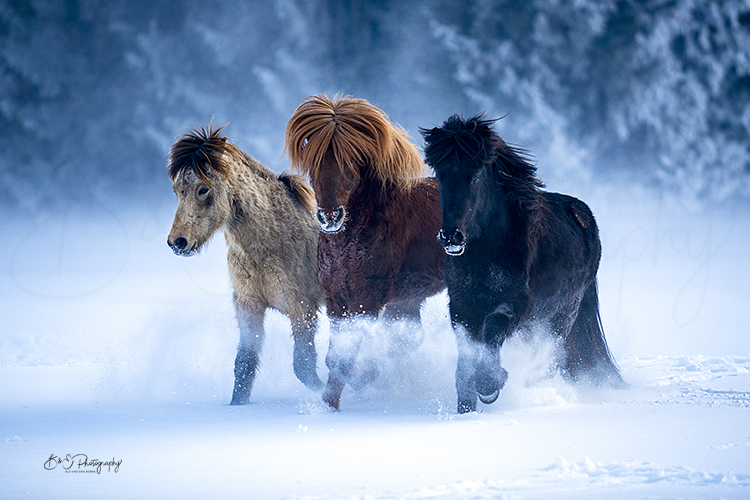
x=124 y=353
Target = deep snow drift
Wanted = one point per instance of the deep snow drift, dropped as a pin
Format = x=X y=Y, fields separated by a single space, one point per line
x=113 y=347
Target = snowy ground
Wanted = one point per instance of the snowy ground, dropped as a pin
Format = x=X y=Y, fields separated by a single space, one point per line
x=112 y=347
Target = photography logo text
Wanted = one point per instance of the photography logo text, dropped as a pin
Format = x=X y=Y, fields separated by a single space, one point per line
x=81 y=464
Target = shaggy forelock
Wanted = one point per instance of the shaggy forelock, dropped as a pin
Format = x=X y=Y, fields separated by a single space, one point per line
x=362 y=138
x=471 y=143
x=201 y=151
x=470 y=138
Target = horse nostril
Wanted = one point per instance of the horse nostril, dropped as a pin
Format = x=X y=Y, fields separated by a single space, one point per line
x=322 y=217
x=180 y=243
x=457 y=238
x=441 y=237
x=338 y=216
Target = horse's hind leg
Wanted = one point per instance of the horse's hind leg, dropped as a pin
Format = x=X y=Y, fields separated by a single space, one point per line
x=250 y=320
x=305 y=355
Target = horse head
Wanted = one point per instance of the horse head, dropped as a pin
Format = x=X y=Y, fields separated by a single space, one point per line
x=479 y=174
x=458 y=197
x=459 y=152
x=333 y=188
x=338 y=142
x=199 y=164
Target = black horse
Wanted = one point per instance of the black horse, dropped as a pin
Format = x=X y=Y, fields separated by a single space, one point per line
x=518 y=257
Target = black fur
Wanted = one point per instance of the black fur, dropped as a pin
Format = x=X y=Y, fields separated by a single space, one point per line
x=518 y=256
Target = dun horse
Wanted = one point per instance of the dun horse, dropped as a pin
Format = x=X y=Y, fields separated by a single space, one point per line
x=272 y=240
x=378 y=215
x=517 y=256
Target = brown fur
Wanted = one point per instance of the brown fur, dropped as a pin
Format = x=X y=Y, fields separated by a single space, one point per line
x=271 y=239
x=384 y=257
x=358 y=133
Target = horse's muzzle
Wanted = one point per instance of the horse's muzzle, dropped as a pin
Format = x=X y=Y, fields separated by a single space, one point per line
x=454 y=243
x=331 y=221
x=180 y=246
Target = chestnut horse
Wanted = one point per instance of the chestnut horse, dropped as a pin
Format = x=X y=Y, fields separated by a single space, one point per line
x=517 y=257
x=272 y=240
x=378 y=215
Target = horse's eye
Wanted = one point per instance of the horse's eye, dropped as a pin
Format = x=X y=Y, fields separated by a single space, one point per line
x=475 y=179
x=203 y=191
x=304 y=142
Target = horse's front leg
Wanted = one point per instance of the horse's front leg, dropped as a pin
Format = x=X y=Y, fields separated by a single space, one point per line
x=479 y=373
x=250 y=320
x=305 y=356
x=343 y=348
x=465 y=369
x=490 y=376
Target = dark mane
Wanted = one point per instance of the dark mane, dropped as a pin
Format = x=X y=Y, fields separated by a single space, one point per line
x=471 y=143
x=201 y=150
x=475 y=143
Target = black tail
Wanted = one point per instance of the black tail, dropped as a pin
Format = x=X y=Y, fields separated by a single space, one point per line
x=586 y=351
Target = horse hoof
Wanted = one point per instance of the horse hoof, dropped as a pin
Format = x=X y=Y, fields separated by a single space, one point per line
x=489 y=398
x=331 y=400
x=488 y=388
x=332 y=407
x=466 y=407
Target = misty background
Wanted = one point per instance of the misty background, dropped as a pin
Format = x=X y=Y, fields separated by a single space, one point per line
x=111 y=345
x=639 y=108
x=653 y=93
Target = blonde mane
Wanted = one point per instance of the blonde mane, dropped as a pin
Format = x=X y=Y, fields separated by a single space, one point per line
x=360 y=134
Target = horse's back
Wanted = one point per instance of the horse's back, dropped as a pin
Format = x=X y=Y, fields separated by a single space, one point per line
x=574 y=216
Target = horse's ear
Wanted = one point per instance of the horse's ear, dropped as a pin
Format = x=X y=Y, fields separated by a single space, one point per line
x=427 y=131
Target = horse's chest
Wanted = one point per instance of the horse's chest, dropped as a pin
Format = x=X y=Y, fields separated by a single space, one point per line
x=348 y=261
x=477 y=276
x=482 y=286
x=354 y=272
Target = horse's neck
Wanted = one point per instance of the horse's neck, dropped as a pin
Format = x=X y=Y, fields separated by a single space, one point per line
x=249 y=164
x=495 y=215
x=252 y=190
